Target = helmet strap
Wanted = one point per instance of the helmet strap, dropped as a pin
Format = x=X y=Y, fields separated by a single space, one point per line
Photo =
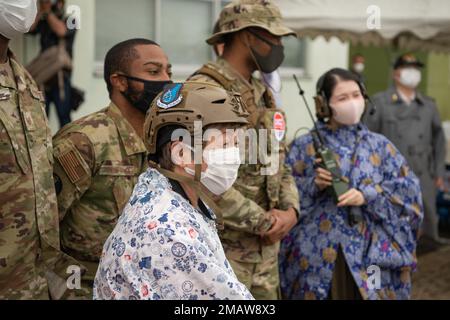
x=251 y=53
x=199 y=189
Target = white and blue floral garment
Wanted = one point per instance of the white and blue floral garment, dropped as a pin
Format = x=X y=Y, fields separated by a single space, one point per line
x=163 y=248
x=392 y=217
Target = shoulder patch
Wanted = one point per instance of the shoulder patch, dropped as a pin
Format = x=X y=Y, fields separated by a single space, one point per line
x=73 y=166
x=171 y=96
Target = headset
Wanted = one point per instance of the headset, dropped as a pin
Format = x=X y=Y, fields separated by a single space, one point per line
x=323 y=109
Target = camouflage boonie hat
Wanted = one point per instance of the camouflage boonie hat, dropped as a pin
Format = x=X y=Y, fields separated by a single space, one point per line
x=242 y=14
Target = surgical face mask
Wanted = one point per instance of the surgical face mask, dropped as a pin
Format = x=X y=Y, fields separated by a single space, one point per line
x=273 y=60
x=16 y=17
x=348 y=112
x=222 y=170
x=410 y=77
x=358 y=67
x=142 y=100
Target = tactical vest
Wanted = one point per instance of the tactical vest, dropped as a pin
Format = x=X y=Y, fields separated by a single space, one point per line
x=246 y=93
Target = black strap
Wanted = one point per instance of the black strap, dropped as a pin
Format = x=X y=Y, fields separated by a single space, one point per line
x=196 y=185
x=176 y=186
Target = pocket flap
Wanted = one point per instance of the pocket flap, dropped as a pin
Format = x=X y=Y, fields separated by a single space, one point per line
x=20 y=154
x=118 y=168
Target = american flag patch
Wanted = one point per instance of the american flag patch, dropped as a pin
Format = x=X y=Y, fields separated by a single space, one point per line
x=73 y=166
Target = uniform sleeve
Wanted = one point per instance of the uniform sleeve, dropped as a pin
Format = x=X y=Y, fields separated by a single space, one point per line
x=397 y=200
x=243 y=214
x=439 y=144
x=301 y=159
x=73 y=167
x=289 y=197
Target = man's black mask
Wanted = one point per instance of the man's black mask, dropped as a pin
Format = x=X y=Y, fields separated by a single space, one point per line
x=273 y=60
x=143 y=100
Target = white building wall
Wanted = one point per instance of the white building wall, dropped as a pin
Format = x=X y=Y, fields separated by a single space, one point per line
x=320 y=57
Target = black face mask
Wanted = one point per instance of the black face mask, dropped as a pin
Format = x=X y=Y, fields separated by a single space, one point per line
x=273 y=60
x=143 y=100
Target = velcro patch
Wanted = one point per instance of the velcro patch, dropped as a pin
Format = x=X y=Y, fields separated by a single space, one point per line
x=171 y=96
x=73 y=166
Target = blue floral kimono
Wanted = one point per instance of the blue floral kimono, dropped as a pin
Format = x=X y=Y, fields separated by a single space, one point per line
x=164 y=248
x=382 y=246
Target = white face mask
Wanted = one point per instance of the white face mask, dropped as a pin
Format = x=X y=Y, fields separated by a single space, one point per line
x=349 y=112
x=358 y=67
x=273 y=81
x=222 y=171
x=410 y=77
x=16 y=17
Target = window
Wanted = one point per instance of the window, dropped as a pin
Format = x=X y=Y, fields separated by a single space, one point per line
x=117 y=20
x=294 y=50
x=184 y=28
x=179 y=26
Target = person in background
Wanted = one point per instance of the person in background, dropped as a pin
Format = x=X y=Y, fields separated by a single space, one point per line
x=411 y=121
x=358 y=66
x=51 y=25
x=330 y=252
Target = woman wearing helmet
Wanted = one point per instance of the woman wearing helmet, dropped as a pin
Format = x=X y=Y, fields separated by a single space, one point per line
x=165 y=244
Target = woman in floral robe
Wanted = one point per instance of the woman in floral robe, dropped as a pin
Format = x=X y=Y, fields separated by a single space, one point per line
x=326 y=257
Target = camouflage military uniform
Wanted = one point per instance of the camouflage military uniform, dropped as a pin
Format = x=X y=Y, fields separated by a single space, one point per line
x=98 y=161
x=245 y=206
x=29 y=228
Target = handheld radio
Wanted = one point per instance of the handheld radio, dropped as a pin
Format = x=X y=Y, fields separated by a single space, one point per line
x=339 y=184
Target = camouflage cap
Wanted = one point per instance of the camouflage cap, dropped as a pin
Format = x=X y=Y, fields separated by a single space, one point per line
x=181 y=104
x=242 y=14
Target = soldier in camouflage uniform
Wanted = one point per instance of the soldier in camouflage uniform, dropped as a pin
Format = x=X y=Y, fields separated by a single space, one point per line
x=30 y=256
x=260 y=209
x=100 y=157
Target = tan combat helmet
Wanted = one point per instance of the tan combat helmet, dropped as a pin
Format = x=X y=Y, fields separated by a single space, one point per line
x=241 y=14
x=181 y=104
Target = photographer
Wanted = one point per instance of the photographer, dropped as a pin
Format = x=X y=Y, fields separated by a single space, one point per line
x=51 y=25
